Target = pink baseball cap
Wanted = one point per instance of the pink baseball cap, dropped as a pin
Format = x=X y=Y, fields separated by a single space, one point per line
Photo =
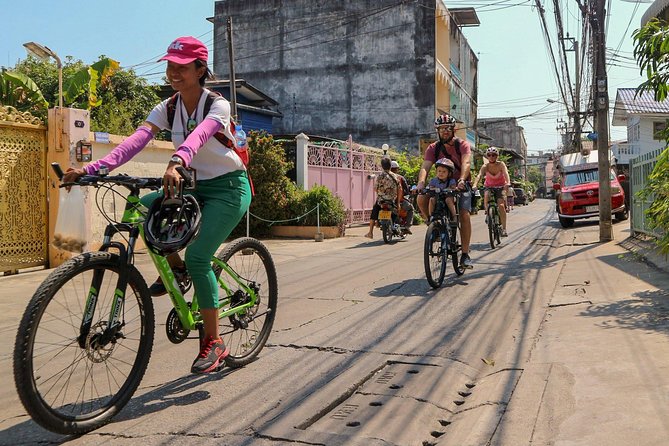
x=185 y=50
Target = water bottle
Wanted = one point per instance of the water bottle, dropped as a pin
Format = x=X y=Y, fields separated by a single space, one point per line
x=240 y=138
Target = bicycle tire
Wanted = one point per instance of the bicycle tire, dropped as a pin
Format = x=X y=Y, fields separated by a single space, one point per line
x=246 y=343
x=434 y=259
x=56 y=310
x=491 y=226
x=455 y=242
x=498 y=228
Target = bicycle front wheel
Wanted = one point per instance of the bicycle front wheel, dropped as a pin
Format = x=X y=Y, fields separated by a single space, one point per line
x=434 y=254
x=492 y=224
x=73 y=383
x=247 y=331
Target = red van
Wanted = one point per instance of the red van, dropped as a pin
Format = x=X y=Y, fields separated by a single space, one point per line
x=577 y=189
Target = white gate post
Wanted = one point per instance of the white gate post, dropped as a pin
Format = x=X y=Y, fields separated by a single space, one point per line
x=301 y=166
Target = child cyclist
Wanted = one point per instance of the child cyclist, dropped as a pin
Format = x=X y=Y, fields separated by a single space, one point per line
x=443 y=180
x=496 y=176
x=222 y=184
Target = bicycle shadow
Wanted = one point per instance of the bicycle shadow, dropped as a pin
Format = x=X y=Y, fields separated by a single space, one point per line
x=416 y=288
x=171 y=394
x=178 y=392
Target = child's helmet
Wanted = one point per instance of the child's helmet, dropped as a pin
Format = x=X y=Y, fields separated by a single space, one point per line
x=171 y=224
x=446 y=163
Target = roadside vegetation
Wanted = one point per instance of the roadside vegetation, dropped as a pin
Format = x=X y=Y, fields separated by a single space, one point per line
x=652 y=54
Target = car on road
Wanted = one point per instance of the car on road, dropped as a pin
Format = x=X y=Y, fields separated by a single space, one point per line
x=577 y=189
x=521 y=196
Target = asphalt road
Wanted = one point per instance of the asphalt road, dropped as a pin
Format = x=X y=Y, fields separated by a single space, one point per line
x=363 y=351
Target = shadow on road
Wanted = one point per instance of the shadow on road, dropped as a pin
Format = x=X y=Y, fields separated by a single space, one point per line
x=644 y=310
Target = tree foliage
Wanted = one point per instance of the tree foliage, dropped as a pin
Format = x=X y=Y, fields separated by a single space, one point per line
x=19 y=91
x=652 y=53
x=651 y=49
x=119 y=100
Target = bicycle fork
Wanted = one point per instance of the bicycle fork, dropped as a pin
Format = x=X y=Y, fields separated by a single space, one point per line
x=111 y=331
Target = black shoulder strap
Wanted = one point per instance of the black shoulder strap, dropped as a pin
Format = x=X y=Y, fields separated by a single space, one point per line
x=442 y=148
x=171 y=109
x=172 y=105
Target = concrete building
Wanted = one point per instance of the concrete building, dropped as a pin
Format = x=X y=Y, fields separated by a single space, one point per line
x=380 y=70
x=506 y=133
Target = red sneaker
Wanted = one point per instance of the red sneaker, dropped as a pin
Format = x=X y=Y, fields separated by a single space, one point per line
x=212 y=353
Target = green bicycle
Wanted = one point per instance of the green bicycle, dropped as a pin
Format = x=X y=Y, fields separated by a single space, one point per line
x=85 y=339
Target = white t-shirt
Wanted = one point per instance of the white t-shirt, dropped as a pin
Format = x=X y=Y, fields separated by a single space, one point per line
x=213 y=159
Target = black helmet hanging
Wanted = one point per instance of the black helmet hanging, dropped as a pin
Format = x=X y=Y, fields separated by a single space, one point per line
x=171 y=224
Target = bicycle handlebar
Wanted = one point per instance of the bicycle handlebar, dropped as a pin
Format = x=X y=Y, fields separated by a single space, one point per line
x=121 y=180
x=438 y=191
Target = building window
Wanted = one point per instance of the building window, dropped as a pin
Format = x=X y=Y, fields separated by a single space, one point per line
x=658 y=130
x=633 y=132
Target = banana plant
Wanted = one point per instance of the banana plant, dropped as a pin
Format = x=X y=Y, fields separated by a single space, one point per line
x=89 y=78
x=19 y=91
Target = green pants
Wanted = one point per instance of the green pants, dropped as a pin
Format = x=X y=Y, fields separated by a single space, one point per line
x=223 y=200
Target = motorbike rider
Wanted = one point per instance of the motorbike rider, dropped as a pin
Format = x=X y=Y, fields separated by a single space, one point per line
x=459 y=151
x=406 y=206
x=496 y=176
x=387 y=189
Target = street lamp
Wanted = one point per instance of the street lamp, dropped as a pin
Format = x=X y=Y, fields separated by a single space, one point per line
x=43 y=52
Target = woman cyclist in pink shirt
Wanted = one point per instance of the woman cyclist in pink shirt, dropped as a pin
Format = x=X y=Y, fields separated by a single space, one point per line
x=496 y=175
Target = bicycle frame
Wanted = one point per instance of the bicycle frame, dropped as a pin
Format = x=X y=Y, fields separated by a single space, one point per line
x=188 y=315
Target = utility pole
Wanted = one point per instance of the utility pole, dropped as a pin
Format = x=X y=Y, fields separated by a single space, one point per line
x=233 y=83
x=576 y=137
x=602 y=115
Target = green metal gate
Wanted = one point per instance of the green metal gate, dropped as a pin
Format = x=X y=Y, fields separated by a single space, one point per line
x=640 y=169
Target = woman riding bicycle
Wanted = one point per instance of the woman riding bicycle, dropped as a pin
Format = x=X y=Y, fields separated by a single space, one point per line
x=222 y=185
x=496 y=179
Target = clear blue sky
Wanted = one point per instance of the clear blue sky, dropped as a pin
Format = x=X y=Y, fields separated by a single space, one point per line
x=515 y=75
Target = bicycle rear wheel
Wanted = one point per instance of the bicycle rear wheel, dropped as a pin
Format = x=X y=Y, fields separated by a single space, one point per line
x=67 y=387
x=246 y=332
x=492 y=224
x=434 y=254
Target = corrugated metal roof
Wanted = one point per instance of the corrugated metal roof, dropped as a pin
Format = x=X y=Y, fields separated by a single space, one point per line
x=643 y=104
x=654 y=10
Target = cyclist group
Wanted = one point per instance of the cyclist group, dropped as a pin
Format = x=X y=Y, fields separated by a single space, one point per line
x=223 y=188
x=451 y=157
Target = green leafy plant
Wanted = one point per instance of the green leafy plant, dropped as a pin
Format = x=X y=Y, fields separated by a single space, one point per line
x=331 y=208
x=274 y=192
x=657 y=190
x=19 y=91
x=651 y=50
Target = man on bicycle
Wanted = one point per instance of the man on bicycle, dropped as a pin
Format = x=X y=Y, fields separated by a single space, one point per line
x=387 y=189
x=497 y=181
x=459 y=152
x=406 y=207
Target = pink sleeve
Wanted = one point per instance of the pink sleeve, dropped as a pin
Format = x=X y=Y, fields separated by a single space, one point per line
x=205 y=130
x=124 y=152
